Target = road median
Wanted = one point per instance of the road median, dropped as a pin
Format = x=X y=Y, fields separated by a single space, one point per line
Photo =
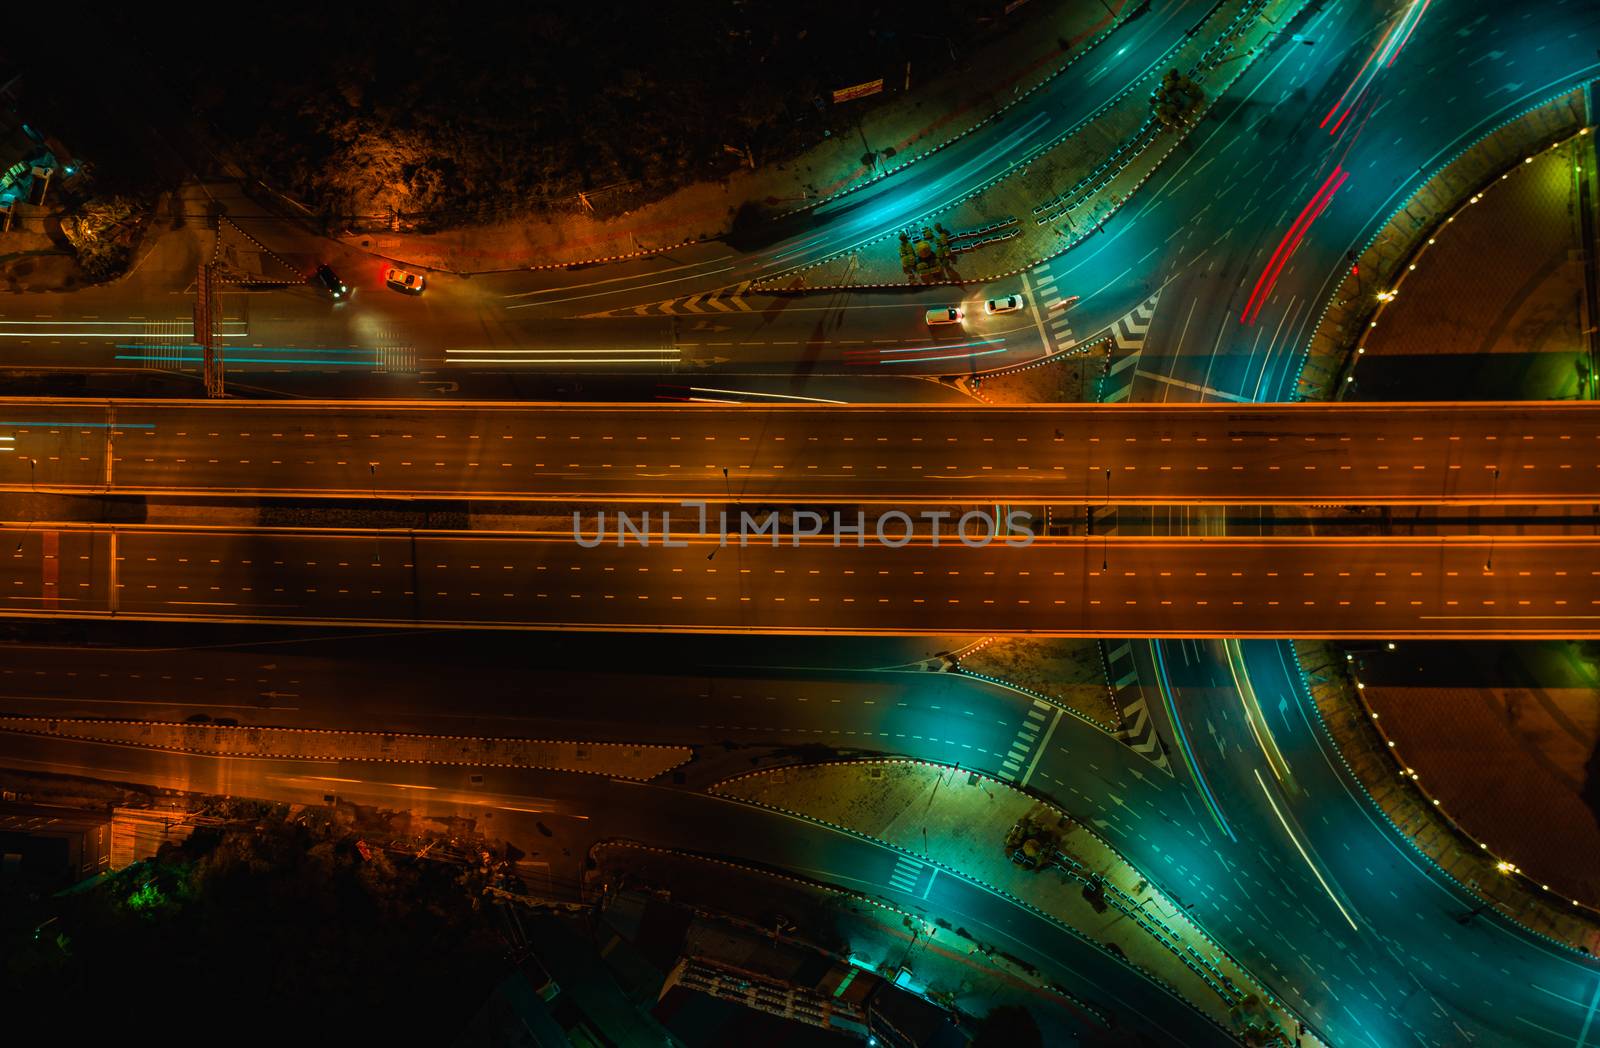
x=1063 y=194
x=1394 y=249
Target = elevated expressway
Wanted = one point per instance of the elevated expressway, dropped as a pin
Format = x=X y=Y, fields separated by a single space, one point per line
x=1159 y=587
x=1517 y=453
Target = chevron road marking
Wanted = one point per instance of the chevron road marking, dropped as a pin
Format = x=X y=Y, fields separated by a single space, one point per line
x=729 y=299
x=1128 y=332
x=1139 y=731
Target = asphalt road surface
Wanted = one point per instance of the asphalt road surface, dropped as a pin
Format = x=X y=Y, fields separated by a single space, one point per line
x=1182 y=587
x=1085 y=454
x=590 y=808
x=651 y=318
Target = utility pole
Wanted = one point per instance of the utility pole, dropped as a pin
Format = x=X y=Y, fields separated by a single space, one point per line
x=205 y=328
x=1488 y=560
x=1105 y=540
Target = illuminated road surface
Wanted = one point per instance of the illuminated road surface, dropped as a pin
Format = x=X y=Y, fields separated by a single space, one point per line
x=1361 y=587
x=1217 y=454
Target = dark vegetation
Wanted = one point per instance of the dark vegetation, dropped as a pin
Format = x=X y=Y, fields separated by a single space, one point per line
x=437 y=115
x=277 y=929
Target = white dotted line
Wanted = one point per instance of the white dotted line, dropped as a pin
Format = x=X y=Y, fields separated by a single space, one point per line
x=1118 y=201
x=1088 y=49
x=1088 y=831
x=1471 y=891
x=1551 y=101
x=1041 y=696
x=830 y=889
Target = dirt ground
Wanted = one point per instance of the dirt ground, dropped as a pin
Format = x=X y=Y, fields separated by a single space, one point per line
x=1066 y=378
x=1066 y=670
x=1517 y=762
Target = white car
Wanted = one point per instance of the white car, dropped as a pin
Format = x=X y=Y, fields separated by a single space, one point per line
x=1003 y=304
x=945 y=315
x=404 y=280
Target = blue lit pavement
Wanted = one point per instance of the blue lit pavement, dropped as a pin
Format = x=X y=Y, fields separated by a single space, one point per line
x=1244 y=232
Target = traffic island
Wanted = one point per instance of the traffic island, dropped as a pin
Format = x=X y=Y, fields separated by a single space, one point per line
x=620 y=760
x=1072 y=376
x=1063 y=672
x=1064 y=193
x=1371 y=759
x=980 y=829
x=1421 y=235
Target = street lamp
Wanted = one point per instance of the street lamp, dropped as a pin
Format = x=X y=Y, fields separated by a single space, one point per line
x=727 y=489
x=1105 y=539
x=377 y=549
x=1494 y=492
x=33 y=511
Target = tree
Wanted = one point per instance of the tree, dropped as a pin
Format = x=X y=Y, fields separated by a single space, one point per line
x=102 y=233
x=274 y=922
x=1177 y=99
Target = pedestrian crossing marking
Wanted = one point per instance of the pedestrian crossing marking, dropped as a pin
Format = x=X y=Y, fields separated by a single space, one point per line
x=907 y=873
x=1024 y=741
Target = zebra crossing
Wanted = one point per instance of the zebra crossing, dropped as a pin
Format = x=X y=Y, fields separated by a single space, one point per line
x=1127 y=334
x=907 y=875
x=394 y=354
x=1019 y=761
x=1138 y=729
x=724 y=300
x=1057 y=322
x=169 y=345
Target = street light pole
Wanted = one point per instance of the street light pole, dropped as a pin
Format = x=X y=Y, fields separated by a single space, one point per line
x=33 y=511
x=727 y=489
x=377 y=548
x=1488 y=559
x=1105 y=538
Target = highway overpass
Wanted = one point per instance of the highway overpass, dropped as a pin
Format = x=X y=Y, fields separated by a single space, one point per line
x=1158 y=587
x=1521 y=453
